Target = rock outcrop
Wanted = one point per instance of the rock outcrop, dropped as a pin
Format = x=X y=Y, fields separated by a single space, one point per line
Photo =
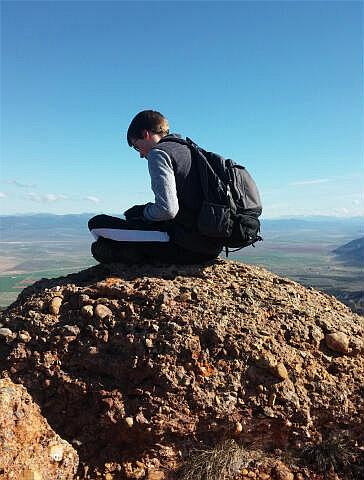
x=29 y=448
x=137 y=367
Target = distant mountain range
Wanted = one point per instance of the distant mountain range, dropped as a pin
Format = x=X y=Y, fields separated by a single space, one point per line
x=44 y=227
x=48 y=226
x=351 y=253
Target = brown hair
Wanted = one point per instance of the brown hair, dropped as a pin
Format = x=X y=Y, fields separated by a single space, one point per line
x=147 y=120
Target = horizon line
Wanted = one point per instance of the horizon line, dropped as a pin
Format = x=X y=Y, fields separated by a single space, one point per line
x=281 y=217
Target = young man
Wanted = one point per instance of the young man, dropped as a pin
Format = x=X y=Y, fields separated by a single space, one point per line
x=164 y=230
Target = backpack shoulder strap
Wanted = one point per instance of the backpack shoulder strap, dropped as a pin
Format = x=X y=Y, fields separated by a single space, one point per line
x=208 y=176
x=202 y=163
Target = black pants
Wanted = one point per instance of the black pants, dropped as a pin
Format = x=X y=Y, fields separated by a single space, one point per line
x=136 y=241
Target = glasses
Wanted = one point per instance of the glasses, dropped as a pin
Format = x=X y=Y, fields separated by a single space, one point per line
x=136 y=147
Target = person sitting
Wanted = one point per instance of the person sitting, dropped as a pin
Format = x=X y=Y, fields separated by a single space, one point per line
x=163 y=231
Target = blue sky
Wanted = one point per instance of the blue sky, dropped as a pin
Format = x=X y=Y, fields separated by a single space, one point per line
x=277 y=86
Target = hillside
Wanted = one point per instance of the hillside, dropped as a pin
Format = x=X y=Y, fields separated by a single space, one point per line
x=352 y=253
x=140 y=367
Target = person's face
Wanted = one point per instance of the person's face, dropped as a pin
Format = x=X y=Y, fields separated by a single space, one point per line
x=145 y=144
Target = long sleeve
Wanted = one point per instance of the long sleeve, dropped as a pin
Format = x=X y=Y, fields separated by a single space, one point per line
x=163 y=183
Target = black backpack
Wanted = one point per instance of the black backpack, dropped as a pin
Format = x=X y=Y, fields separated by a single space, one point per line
x=231 y=202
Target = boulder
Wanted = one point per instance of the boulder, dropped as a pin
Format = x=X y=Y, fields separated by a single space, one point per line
x=29 y=448
x=338 y=342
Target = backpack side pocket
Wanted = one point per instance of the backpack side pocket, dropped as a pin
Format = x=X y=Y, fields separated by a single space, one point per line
x=245 y=232
x=215 y=220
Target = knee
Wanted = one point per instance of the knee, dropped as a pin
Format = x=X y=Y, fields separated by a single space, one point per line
x=96 y=222
x=93 y=250
x=96 y=253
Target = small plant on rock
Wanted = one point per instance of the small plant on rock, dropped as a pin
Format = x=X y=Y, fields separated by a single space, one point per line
x=333 y=454
x=218 y=463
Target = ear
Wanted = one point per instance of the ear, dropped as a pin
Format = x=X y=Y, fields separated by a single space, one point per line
x=146 y=135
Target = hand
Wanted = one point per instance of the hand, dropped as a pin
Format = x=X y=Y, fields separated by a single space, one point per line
x=134 y=212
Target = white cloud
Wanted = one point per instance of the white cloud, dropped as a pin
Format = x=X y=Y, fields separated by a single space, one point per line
x=52 y=197
x=341 y=212
x=35 y=197
x=46 y=198
x=3 y=195
x=310 y=182
x=20 y=184
x=93 y=199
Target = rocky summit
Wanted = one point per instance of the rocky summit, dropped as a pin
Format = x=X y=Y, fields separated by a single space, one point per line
x=213 y=372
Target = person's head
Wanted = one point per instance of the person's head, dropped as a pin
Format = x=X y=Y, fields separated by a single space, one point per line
x=145 y=131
